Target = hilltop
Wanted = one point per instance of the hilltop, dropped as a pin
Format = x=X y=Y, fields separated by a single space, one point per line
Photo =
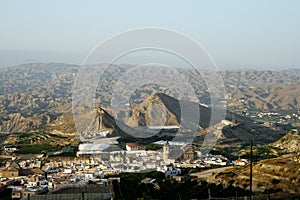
x=289 y=143
x=163 y=110
x=279 y=174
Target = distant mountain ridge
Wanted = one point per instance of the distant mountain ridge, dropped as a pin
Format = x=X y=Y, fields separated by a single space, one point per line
x=44 y=91
x=10 y=58
x=293 y=71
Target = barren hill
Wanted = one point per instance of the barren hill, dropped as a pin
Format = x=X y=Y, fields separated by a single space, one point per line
x=162 y=110
x=34 y=95
x=289 y=143
x=277 y=173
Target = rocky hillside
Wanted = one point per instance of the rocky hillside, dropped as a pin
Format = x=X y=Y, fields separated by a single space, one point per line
x=269 y=90
x=16 y=122
x=280 y=174
x=249 y=77
x=162 y=110
x=34 y=95
x=289 y=143
x=243 y=132
x=285 y=96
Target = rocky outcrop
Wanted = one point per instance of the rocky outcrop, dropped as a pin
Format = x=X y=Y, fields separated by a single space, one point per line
x=162 y=110
x=289 y=143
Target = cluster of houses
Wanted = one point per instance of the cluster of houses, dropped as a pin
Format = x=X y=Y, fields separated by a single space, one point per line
x=275 y=117
x=94 y=161
x=24 y=178
x=27 y=178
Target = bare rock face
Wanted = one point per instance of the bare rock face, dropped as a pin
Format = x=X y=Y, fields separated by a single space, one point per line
x=64 y=124
x=289 y=143
x=162 y=110
x=15 y=122
x=89 y=121
x=33 y=95
x=154 y=112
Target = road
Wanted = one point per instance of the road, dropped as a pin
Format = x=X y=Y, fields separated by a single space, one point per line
x=207 y=173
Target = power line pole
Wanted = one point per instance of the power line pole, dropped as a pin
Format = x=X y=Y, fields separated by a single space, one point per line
x=250 y=168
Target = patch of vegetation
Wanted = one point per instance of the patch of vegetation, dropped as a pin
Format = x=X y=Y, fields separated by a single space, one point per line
x=57 y=136
x=30 y=137
x=6 y=194
x=67 y=151
x=37 y=148
x=260 y=152
x=259 y=184
x=130 y=187
x=189 y=170
x=275 y=181
x=226 y=174
x=272 y=190
x=230 y=182
x=153 y=147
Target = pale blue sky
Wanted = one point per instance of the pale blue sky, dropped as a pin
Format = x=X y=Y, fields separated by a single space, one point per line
x=252 y=34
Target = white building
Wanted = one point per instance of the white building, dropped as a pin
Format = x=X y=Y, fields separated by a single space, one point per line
x=10 y=148
x=241 y=162
x=91 y=149
x=169 y=171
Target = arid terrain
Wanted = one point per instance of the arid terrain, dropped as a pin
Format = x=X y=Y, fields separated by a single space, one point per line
x=36 y=115
x=34 y=96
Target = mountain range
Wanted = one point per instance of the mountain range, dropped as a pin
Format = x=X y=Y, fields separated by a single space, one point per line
x=37 y=96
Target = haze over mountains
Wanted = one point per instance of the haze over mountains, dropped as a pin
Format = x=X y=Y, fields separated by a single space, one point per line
x=9 y=58
x=33 y=96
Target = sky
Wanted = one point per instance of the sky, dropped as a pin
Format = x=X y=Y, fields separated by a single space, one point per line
x=259 y=34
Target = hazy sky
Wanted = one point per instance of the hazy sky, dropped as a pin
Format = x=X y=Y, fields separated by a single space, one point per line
x=252 y=34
